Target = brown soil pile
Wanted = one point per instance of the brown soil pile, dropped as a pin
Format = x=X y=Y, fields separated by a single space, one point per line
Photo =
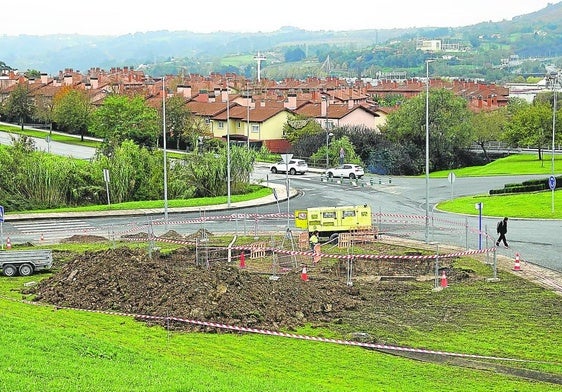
x=129 y=281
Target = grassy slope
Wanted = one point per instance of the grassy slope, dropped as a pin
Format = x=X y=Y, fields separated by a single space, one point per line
x=69 y=350
x=528 y=205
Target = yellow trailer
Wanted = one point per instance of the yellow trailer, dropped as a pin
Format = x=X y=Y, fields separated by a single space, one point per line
x=330 y=221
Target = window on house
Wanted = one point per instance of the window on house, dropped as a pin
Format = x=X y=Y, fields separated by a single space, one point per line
x=255 y=128
x=207 y=120
x=221 y=124
x=238 y=124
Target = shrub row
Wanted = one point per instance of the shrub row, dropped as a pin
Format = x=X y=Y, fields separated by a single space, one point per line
x=527 y=186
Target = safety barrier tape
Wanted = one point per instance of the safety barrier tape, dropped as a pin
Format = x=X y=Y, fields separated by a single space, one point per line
x=380 y=218
x=289 y=335
x=333 y=256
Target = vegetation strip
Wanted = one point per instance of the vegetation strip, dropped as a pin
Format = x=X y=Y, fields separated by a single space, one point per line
x=289 y=335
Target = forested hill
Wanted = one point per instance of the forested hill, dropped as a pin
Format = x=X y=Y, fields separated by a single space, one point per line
x=535 y=34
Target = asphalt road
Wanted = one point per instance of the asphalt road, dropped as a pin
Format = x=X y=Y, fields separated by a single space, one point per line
x=398 y=203
x=67 y=150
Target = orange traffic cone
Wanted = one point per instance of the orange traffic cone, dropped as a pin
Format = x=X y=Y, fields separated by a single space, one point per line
x=443 y=279
x=8 y=243
x=304 y=274
x=517 y=265
x=242 y=260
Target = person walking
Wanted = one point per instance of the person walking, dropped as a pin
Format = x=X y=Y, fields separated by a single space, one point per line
x=342 y=156
x=502 y=231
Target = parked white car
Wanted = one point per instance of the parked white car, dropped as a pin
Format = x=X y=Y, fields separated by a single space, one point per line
x=347 y=170
x=295 y=166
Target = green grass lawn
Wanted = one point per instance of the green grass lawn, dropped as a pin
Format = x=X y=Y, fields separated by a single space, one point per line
x=49 y=349
x=524 y=205
x=516 y=164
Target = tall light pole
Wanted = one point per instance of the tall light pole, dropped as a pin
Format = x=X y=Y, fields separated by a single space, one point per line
x=427 y=151
x=328 y=136
x=553 y=78
x=555 y=82
x=248 y=100
x=227 y=146
x=327 y=127
x=164 y=146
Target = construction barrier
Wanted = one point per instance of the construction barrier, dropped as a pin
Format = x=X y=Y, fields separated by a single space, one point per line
x=257 y=250
x=517 y=264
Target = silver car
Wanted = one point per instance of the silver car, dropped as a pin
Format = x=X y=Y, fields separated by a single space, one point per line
x=293 y=167
x=347 y=170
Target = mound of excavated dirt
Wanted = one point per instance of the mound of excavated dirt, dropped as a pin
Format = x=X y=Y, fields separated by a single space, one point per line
x=127 y=280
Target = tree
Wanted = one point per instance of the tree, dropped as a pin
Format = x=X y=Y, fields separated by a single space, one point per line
x=449 y=132
x=294 y=55
x=488 y=126
x=71 y=110
x=19 y=105
x=334 y=151
x=530 y=126
x=43 y=110
x=182 y=124
x=122 y=118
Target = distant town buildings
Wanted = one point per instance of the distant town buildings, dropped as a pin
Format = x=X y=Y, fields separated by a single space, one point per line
x=257 y=110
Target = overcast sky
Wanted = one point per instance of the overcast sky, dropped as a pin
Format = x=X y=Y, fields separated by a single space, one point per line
x=116 y=17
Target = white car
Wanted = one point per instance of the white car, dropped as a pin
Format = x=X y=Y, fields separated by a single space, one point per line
x=295 y=166
x=347 y=170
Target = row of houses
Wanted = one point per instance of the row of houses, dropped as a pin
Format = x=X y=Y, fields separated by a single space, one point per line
x=256 y=111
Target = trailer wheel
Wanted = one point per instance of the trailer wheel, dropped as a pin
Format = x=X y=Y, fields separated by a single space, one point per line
x=26 y=269
x=334 y=238
x=9 y=270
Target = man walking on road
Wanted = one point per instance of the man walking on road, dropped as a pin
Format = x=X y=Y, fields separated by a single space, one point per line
x=502 y=231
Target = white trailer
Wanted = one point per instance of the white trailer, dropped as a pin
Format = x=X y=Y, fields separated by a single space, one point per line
x=25 y=262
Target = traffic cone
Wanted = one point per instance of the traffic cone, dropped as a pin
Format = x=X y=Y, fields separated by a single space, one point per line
x=242 y=260
x=517 y=265
x=304 y=274
x=443 y=279
x=8 y=243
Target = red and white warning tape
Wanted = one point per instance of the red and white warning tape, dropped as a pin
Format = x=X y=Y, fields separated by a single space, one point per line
x=290 y=335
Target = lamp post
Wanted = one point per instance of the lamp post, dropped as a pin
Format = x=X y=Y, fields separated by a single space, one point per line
x=227 y=146
x=248 y=102
x=553 y=78
x=164 y=146
x=554 y=83
x=427 y=151
x=328 y=136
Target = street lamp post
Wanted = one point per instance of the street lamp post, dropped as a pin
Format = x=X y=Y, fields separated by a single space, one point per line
x=164 y=147
x=328 y=136
x=427 y=151
x=555 y=82
x=553 y=78
x=248 y=101
x=227 y=146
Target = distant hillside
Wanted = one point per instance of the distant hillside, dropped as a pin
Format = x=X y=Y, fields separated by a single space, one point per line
x=535 y=34
x=53 y=53
x=538 y=34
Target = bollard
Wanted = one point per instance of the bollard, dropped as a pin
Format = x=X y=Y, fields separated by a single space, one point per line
x=389 y=180
x=380 y=181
